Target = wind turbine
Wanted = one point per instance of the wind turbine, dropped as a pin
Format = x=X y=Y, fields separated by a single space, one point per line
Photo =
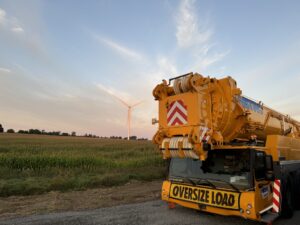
x=129 y=108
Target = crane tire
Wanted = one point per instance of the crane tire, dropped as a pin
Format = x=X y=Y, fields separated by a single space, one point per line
x=297 y=185
x=287 y=206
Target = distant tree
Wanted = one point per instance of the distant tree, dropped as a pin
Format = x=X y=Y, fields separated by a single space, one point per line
x=133 y=137
x=55 y=133
x=1 y=129
x=143 y=139
x=34 y=131
x=23 y=132
x=10 y=131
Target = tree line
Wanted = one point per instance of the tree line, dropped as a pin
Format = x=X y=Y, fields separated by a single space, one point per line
x=42 y=132
x=59 y=133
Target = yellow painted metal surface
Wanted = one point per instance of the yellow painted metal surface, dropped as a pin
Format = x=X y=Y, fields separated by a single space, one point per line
x=195 y=111
x=213 y=110
x=286 y=148
x=247 y=204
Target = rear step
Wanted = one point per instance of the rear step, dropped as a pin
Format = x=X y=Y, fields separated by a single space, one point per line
x=269 y=217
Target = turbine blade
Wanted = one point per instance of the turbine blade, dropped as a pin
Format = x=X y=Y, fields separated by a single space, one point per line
x=116 y=97
x=136 y=104
x=121 y=100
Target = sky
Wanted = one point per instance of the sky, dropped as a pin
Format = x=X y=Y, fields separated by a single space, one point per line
x=62 y=62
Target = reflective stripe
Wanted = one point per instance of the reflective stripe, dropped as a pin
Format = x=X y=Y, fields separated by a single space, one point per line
x=177 y=113
x=276 y=196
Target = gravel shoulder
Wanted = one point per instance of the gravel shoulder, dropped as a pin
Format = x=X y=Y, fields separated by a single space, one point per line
x=133 y=203
x=146 y=213
x=133 y=192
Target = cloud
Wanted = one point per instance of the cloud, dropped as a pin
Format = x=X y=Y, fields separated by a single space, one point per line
x=122 y=50
x=17 y=36
x=22 y=68
x=206 y=60
x=10 y=23
x=4 y=70
x=2 y=16
x=166 y=67
x=17 y=29
x=189 y=31
x=195 y=35
x=211 y=60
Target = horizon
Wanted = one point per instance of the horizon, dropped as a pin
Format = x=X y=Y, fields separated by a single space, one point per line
x=61 y=61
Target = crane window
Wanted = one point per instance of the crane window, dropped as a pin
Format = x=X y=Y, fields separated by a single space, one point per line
x=259 y=165
x=222 y=168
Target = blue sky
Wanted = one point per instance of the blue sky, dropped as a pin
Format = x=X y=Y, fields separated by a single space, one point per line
x=59 y=60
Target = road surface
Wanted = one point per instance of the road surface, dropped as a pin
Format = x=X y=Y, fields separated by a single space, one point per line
x=151 y=212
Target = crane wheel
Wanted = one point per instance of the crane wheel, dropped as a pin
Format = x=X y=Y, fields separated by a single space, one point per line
x=287 y=206
x=297 y=185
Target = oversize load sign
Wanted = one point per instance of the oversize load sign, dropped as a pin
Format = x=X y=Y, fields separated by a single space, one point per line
x=217 y=198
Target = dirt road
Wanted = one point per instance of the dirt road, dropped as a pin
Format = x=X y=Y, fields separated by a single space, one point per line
x=133 y=203
x=151 y=212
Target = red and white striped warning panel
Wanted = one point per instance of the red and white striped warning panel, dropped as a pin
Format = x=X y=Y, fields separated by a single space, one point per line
x=203 y=134
x=177 y=113
x=276 y=196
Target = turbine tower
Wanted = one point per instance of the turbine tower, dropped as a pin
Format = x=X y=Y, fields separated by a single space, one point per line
x=129 y=108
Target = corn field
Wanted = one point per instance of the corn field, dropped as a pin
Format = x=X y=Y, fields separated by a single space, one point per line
x=33 y=164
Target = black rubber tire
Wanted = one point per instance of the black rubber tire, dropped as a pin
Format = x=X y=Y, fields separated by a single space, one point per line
x=287 y=205
x=296 y=186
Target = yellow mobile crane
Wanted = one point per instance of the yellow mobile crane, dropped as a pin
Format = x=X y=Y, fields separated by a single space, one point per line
x=227 y=154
